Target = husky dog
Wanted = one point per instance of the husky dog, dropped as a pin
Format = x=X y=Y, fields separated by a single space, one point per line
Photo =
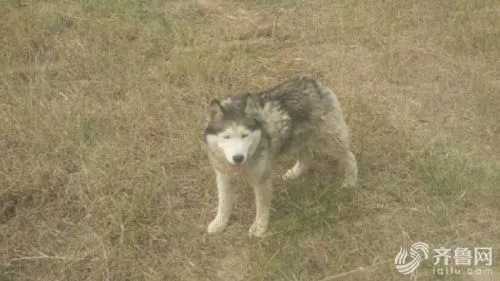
x=246 y=132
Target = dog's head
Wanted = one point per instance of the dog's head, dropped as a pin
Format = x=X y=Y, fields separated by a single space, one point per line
x=233 y=130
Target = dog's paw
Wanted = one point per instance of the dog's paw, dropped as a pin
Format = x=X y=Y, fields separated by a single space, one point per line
x=216 y=226
x=291 y=175
x=350 y=181
x=348 y=184
x=257 y=229
x=295 y=172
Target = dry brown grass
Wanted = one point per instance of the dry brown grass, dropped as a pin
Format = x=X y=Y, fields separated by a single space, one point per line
x=102 y=172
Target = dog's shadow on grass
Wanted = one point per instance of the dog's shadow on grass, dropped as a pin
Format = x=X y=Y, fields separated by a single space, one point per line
x=314 y=201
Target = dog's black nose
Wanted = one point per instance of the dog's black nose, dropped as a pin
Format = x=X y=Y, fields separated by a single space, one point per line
x=238 y=158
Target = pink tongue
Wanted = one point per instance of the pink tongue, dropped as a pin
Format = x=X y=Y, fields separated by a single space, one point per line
x=238 y=168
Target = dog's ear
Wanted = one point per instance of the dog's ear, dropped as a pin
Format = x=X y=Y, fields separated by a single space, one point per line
x=216 y=112
x=251 y=104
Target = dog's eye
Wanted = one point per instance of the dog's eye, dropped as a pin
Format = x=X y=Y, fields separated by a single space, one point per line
x=227 y=137
x=244 y=136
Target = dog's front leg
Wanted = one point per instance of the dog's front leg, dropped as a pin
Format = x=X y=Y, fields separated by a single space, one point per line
x=263 y=198
x=225 y=195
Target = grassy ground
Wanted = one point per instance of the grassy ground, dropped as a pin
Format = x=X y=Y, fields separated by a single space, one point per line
x=102 y=171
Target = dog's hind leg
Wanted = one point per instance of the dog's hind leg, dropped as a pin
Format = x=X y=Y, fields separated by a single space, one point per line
x=336 y=138
x=348 y=165
x=300 y=167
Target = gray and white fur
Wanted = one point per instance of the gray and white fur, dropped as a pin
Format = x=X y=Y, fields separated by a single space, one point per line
x=246 y=132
